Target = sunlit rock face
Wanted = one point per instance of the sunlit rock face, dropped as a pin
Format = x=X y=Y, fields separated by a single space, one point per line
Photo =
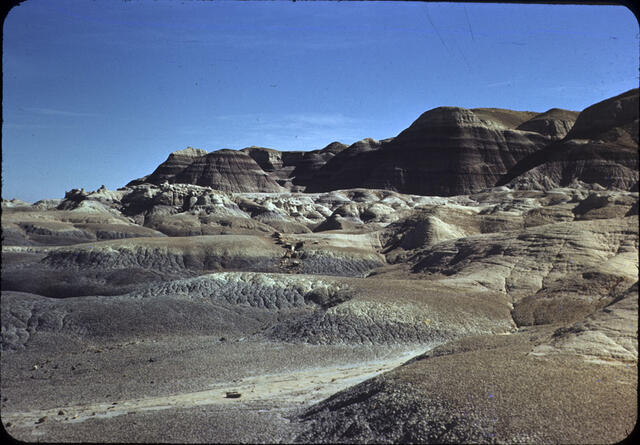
x=227 y=170
x=175 y=163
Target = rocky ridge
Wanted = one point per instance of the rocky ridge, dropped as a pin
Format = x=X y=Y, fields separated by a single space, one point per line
x=446 y=151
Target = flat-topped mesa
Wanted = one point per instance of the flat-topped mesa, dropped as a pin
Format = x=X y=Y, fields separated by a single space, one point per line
x=227 y=170
x=495 y=118
x=549 y=123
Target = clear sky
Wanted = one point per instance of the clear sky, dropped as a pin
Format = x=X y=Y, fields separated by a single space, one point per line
x=100 y=92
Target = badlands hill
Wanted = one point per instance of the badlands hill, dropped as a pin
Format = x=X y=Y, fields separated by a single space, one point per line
x=446 y=151
x=222 y=299
x=601 y=147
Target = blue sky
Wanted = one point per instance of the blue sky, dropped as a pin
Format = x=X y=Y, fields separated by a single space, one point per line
x=100 y=92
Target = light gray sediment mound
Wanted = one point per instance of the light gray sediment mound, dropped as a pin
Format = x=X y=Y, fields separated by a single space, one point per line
x=45 y=232
x=214 y=252
x=386 y=311
x=13 y=203
x=605 y=206
x=58 y=324
x=12 y=235
x=192 y=210
x=430 y=225
x=340 y=262
x=331 y=315
x=553 y=273
x=261 y=290
x=193 y=253
x=189 y=224
x=368 y=322
x=233 y=302
x=608 y=335
x=119 y=266
x=32 y=276
x=328 y=327
x=31 y=225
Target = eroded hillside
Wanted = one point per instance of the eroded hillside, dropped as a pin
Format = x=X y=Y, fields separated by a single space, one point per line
x=361 y=313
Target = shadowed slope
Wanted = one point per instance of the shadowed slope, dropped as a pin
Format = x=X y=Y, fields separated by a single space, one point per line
x=446 y=151
x=601 y=148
